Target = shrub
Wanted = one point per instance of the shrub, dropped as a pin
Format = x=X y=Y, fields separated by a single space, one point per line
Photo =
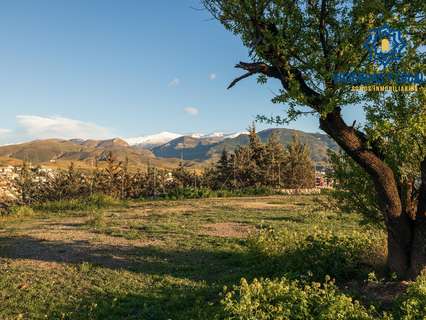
x=318 y=254
x=412 y=304
x=96 y=219
x=257 y=191
x=188 y=193
x=286 y=299
x=21 y=211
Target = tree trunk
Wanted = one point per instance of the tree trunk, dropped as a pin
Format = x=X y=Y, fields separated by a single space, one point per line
x=406 y=246
x=418 y=248
x=399 y=236
x=406 y=226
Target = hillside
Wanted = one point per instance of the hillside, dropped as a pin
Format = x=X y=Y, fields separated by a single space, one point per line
x=60 y=153
x=188 y=148
x=210 y=148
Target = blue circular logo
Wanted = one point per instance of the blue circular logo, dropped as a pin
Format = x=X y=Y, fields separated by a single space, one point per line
x=385 y=45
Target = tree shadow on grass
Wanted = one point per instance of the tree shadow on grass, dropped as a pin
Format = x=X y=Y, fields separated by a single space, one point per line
x=194 y=264
x=203 y=274
x=213 y=265
x=177 y=303
x=214 y=268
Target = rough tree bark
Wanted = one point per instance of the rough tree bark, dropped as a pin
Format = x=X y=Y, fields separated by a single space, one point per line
x=418 y=245
x=405 y=214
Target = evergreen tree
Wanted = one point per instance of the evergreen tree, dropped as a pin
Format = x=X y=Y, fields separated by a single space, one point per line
x=223 y=171
x=274 y=159
x=299 y=171
x=257 y=154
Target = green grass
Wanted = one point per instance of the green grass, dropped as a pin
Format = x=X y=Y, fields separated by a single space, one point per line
x=80 y=204
x=164 y=259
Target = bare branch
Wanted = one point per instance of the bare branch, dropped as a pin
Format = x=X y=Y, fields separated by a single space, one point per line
x=254 y=68
x=234 y=82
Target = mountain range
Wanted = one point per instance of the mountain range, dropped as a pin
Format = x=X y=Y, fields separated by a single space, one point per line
x=165 y=149
x=161 y=138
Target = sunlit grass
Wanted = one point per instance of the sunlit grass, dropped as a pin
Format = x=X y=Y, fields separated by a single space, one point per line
x=166 y=259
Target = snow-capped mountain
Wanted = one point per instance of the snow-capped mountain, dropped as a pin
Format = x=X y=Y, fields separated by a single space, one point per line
x=153 y=140
x=235 y=134
x=219 y=135
x=161 y=138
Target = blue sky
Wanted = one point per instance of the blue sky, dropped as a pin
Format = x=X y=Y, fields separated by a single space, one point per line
x=104 y=68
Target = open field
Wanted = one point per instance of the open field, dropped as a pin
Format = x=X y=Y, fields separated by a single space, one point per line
x=150 y=260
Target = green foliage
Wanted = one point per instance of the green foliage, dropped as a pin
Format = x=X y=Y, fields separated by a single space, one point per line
x=312 y=40
x=284 y=299
x=299 y=170
x=316 y=254
x=412 y=304
x=97 y=201
x=396 y=125
x=353 y=189
x=188 y=193
x=22 y=211
x=264 y=165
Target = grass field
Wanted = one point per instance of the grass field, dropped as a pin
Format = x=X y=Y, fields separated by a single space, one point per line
x=153 y=260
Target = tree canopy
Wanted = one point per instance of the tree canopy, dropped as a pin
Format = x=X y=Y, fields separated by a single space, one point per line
x=303 y=44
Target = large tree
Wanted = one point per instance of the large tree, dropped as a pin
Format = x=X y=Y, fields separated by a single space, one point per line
x=302 y=44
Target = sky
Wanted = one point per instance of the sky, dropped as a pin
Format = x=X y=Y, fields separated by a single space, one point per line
x=108 y=68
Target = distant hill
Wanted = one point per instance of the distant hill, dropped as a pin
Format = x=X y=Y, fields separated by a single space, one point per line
x=188 y=148
x=82 y=152
x=201 y=149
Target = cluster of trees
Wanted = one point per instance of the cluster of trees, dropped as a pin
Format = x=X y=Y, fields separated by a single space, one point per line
x=256 y=165
x=267 y=164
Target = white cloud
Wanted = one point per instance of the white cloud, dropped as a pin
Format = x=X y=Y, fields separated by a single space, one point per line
x=37 y=127
x=5 y=131
x=174 y=83
x=191 y=111
x=212 y=76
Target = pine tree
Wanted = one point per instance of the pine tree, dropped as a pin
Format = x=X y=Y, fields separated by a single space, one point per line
x=256 y=167
x=299 y=170
x=223 y=171
x=275 y=157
